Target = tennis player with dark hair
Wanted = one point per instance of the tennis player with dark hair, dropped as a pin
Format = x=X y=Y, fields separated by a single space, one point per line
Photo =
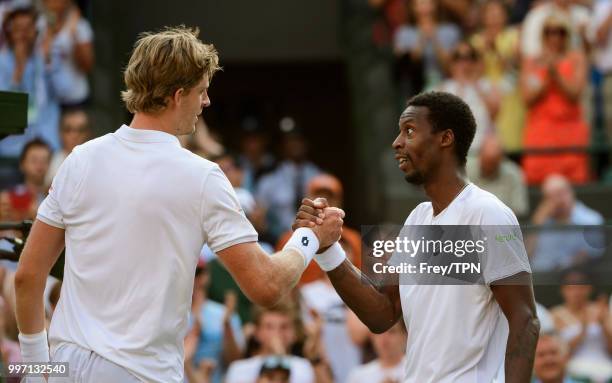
x=464 y=334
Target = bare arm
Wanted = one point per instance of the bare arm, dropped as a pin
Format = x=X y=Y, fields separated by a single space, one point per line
x=266 y=279
x=231 y=350
x=602 y=33
x=518 y=304
x=84 y=56
x=377 y=309
x=530 y=91
x=42 y=249
x=572 y=87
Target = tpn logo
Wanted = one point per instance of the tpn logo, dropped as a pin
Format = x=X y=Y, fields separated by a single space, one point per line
x=505 y=238
x=305 y=241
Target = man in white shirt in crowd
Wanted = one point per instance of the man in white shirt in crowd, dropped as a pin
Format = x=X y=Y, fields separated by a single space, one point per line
x=474 y=333
x=390 y=347
x=133 y=209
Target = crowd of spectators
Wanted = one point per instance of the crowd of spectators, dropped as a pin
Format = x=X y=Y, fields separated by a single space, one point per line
x=535 y=73
x=523 y=68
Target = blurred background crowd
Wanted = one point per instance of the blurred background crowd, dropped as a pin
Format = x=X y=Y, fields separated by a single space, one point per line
x=536 y=73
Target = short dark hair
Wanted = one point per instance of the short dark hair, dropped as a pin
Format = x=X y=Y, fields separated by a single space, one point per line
x=37 y=142
x=26 y=10
x=447 y=111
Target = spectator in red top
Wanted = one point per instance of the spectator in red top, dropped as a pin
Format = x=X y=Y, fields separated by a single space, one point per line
x=34 y=164
x=552 y=85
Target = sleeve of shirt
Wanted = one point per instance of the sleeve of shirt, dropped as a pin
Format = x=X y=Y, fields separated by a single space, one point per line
x=84 y=33
x=405 y=39
x=505 y=254
x=223 y=220
x=449 y=36
x=63 y=188
x=599 y=16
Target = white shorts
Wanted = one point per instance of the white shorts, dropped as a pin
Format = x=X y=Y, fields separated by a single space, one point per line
x=86 y=366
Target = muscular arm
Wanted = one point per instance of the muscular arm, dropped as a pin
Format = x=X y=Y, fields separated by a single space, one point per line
x=42 y=249
x=518 y=304
x=379 y=309
x=264 y=279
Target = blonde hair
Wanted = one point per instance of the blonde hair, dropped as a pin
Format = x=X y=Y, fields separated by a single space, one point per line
x=164 y=62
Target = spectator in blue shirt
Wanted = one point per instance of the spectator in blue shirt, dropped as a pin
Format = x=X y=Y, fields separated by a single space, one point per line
x=22 y=69
x=220 y=339
x=557 y=246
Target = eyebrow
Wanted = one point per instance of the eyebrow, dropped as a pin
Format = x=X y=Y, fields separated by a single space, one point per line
x=408 y=119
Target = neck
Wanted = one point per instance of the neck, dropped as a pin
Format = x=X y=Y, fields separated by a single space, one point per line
x=426 y=19
x=577 y=307
x=493 y=29
x=390 y=361
x=443 y=189
x=148 y=121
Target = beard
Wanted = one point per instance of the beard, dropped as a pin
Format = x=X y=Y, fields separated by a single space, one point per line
x=415 y=178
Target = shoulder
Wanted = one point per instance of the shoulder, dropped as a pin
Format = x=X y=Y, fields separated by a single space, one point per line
x=213 y=309
x=241 y=368
x=406 y=30
x=584 y=215
x=5 y=54
x=194 y=165
x=313 y=289
x=448 y=29
x=510 y=168
x=301 y=367
x=418 y=213
x=84 y=31
x=104 y=144
x=487 y=209
x=364 y=372
x=580 y=12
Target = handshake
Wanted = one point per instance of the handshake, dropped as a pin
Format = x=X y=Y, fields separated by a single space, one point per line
x=325 y=221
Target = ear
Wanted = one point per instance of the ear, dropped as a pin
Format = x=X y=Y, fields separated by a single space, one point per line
x=177 y=97
x=447 y=138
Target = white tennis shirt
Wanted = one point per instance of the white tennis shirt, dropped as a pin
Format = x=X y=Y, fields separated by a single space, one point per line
x=458 y=333
x=137 y=209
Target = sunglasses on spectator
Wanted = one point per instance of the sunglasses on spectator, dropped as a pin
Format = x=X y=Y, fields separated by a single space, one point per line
x=561 y=31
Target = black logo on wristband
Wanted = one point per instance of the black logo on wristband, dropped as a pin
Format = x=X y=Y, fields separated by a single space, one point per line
x=305 y=241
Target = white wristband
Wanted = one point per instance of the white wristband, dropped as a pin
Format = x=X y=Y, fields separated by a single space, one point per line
x=331 y=258
x=34 y=347
x=305 y=241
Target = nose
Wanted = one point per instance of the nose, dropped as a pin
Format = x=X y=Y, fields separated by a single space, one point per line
x=397 y=143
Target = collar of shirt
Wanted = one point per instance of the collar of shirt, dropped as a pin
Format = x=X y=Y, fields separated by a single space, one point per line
x=145 y=135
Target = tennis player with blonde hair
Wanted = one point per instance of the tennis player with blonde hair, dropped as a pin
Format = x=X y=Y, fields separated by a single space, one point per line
x=133 y=209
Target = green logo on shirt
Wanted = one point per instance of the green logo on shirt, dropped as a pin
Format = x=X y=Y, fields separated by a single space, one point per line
x=505 y=238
